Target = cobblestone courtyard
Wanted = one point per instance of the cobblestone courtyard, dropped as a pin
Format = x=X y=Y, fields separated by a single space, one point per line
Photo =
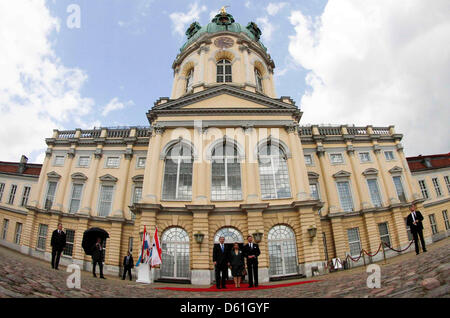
x=408 y=275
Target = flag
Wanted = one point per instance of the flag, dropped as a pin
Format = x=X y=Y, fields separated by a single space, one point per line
x=144 y=257
x=156 y=250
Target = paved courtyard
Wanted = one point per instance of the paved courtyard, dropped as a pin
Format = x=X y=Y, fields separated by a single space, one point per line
x=408 y=275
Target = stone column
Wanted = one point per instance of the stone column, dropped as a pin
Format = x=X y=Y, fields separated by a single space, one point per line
x=112 y=260
x=255 y=222
x=87 y=200
x=200 y=167
x=298 y=162
x=330 y=190
x=118 y=209
x=41 y=181
x=339 y=237
x=150 y=187
x=28 y=232
x=201 y=253
x=385 y=177
x=412 y=184
x=372 y=232
x=361 y=186
x=400 y=227
x=78 y=253
x=251 y=164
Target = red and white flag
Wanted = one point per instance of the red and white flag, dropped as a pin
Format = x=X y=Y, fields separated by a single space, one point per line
x=156 y=250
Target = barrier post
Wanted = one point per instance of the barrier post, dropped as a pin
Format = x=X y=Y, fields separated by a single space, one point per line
x=364 y=258
x=384 y=252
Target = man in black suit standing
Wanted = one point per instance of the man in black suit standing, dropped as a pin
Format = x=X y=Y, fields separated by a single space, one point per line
x=58 y=242
x=251 y=252
x=97 y=257
x=220 y=259
x=414 y=221
x=128 y=264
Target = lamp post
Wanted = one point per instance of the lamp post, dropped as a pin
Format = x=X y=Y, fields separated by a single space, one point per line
x=199 y=239
x=312 y=230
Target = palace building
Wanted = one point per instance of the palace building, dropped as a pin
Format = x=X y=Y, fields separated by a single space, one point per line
x=223 y=156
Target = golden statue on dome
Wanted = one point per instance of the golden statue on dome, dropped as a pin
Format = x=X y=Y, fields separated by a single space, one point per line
x=223 y=10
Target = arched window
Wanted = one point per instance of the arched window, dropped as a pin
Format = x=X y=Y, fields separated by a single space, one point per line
x=282 y=251
x=175 y=253
x=226 y=172
x=230 y=234
x=224 y=71
x=258 y=81
x=178 y=173
x=273 y=172
x=189 y=80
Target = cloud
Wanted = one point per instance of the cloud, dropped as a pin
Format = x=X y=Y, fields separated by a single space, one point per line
x=267 y=28
x=115 y=104
x=180 y=20
x=380 y=63
x=37 y=92
x=137 y=25
x=273 y=8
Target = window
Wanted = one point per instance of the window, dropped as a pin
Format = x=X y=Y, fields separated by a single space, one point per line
x=18 y=233
x=76 y=198
x=408 y=230
x=50 y=197
x=177 y=184
x=2 y=189
x=384 y=233
x=226 y=173
x=70 y=237
x=446 y=178
x=364 y=157
x=112 y=162
x=189 y=80
x=5 y=228
x=282 y=251
x=374 y=191
x=308 y=160
x=353 y=241
x=224 y=71
x=314 y=189
x=258 y=81
x=59 y=161
x=273 y=173
x=437 y=187
x=389 y=155
x=399 y=188
x=25 y=196
x=230 y=234
x=141 y=162
x=446 y=222
x=433 y=224
x=336 y=158
x=106 y=196
x=345 y=195
x=137 y=195
x=175 y=252
x=84 y=161
x=12 y=194
x=42 y=236
x=423 y=188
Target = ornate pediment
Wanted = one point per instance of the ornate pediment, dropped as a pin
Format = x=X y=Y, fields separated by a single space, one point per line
x=79 y=176
x=370 y=172
x=396 y=169
x=108 y=178
x=53 y=175
x=313 y=175
x=342 y=174
x=138 y=179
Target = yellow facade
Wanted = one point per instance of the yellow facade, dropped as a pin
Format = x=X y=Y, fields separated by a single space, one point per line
x=300 y=229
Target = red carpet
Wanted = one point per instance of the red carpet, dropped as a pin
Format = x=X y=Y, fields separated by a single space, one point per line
x=230 y=287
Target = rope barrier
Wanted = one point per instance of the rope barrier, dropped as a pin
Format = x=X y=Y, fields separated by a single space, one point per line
x=399 y=251
x=368 y=254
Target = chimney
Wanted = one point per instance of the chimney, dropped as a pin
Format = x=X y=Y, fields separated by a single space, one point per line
x=23 y=163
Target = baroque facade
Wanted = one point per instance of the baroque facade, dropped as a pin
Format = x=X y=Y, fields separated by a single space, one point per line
x=222 y=156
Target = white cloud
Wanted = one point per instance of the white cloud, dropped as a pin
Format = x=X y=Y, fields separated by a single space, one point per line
x=115 y=104
x=248 y=4
x=273 y=8
x=37 y=92
x=267 y=28
x=180 y=20
x=380 y=63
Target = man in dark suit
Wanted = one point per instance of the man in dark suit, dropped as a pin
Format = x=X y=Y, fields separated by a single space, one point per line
x=97 y=257
x=220 y=259
x=128 y=264
x=251 y=252
x=58 y=242
x=414 y=221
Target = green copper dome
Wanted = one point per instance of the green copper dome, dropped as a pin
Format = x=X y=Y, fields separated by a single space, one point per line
x=222 y=22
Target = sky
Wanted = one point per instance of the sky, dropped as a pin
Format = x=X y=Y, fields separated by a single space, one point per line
x=361 y=62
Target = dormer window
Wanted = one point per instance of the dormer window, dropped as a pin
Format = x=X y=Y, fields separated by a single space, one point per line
x=258 y=81
x=224 y=71
x=189 y=80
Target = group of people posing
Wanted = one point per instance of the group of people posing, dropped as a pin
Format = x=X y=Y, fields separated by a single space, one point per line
x=223 y=258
